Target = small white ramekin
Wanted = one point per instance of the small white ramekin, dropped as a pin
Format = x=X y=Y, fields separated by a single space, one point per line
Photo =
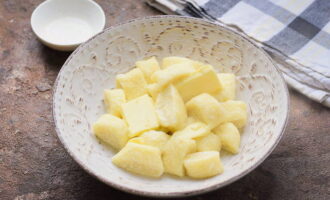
x=65 y=24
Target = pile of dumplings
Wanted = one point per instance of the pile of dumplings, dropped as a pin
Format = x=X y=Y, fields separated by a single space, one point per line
x=172 y=118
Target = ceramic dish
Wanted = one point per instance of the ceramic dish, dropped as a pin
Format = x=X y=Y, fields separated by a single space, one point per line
x=63 y=24
x=94 y=65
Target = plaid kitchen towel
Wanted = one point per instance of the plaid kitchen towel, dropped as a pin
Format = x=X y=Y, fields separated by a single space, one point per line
x=295 y=32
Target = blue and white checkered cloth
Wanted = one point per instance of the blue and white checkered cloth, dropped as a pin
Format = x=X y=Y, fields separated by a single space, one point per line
x=295 y=32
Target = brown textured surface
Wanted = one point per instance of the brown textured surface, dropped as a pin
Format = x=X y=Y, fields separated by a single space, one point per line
x=34 y=165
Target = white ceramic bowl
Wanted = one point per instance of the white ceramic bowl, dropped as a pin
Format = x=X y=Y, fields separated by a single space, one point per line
x=65 y=24
x=94 y=65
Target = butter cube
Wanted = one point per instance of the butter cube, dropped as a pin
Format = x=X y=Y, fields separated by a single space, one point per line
x=140 y=115
x=210 y=142
x=111 y=130
x=113 y=99
x=153 y=138
x=148 y=67
x=205 y=108
x=204 y=81
x=170 y=109
x=235 y=112
x=140 y=159
x=174 y=153
x=229 y=137
x=193 y=130
x=203 y=164
x=133 y=83
x=228 y=92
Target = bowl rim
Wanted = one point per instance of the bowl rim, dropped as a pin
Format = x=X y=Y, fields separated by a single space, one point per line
x=50 y=43
x=172 y=194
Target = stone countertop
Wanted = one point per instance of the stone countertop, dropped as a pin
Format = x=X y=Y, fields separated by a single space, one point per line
x=34 y=165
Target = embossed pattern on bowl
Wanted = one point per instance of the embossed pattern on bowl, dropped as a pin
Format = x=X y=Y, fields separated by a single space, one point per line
x=92 y=67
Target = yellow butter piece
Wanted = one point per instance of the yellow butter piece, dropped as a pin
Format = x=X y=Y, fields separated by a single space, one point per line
x=170 y=109
x=140 y=159
x=210 y=142
x=229 y=137
x=204 y=81
x=153 y=138
x=113 y=99
x=174 y=153
x=133 y=83
x=203 y=164
x=235 y=112
x=228 y=92
x=111 y=130
x=205 y=108
x=140 y=115
x=148 y=67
